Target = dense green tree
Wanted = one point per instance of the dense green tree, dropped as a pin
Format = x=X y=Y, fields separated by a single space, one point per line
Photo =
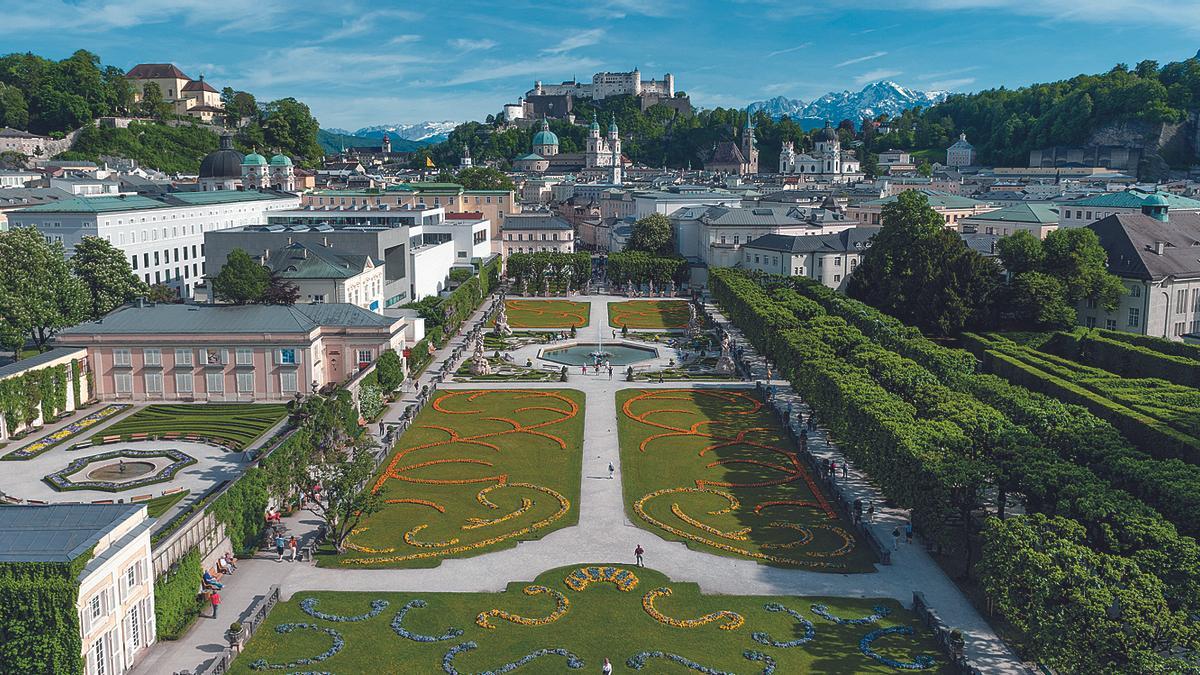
x=280 y=291
x=1020 y=252
x=288 y=125
x=242 y=279
x=1075 y=256
x=389 y=371
x=1048 y=278
x=652 y=234
x=922 y=273
x=106 y=275
x=174 y=149
x=153 y=105
x=479 y=178
x=1035 y=300
x=38 y=294
x=14 y=111
x=162 y=293
x=239 y=105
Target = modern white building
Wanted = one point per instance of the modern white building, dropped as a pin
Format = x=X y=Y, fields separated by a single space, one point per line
x=1085 y=211
x=116 y=585
x=16 y=179
x=163 y=237
x=828 y=258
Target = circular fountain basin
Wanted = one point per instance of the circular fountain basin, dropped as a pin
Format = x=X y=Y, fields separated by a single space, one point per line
x=581 y=354
x=113 y=472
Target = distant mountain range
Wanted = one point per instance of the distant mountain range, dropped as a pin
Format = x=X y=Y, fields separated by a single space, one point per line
x=422 y=132
x=879 y=98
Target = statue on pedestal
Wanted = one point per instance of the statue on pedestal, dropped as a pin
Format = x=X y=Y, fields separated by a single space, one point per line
x=502 y=327
x=671 y=289
x=725 y=364
x=479 y=362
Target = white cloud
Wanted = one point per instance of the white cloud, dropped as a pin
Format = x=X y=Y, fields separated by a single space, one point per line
x=777 y=87
x=1174 y=12
x=576 y=40
x=403 y=40
x=366 y=23
x=951 y=85
x=542 y=67
x=470 y=45
x=326 y=66
x=789 y=50
x=103 y=15
x=619 y=9
x=868 y=57
x=876 y=75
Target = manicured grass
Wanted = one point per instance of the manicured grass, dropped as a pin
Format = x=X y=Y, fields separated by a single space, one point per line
x=160 y=505
x=649 y=314
x=236 y=424
x=714 y=469
x=600 y=622
x=547 y=313
x=479 y=470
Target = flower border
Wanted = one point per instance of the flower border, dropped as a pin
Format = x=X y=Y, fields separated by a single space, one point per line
x=581 y=578
x=920 y=662
x=59 y=479
x=62 y=435
x=810 y=631
x=561 y=607
x=285 y=628
x=309 y=607
x=573 y=661
x=398 y=625
x=823 y=612
x=732 y=620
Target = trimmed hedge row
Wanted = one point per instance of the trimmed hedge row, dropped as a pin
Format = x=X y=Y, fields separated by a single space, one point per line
x=1129 y=359
x=1159 y=345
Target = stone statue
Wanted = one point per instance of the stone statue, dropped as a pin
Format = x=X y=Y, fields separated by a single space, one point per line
x=479 y=362
x=725 y=364
x=502 y=327
x=671 y=289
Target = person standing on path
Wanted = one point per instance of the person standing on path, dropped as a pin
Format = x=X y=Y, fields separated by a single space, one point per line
x=293 y=544
x=871 y=512
x=637 y=554
x=279 y=544
x=845 y=469
x=908 y=532
x=606 y=669
x=611 y=470
x=610 y=372
x=896 y=538
x=215 y=599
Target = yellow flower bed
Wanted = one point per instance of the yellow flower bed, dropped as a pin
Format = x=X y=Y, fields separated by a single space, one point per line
x=581 y=578
x=733 y=620
x=561 y=607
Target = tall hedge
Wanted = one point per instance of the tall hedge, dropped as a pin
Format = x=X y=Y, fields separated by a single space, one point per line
x=177 y=600
x=39 y=622
x=242 y=509
x=1130 y=359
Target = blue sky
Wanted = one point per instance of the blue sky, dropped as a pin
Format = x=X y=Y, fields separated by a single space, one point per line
x=358 y=63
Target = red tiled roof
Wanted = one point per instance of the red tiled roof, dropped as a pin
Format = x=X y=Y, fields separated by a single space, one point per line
x=199 y=85
x=469 y=215
x=153 y=71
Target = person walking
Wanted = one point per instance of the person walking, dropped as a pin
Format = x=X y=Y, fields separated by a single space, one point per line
x=610 y=372
x=896 y=538
x=293 y=544
x=908 y=532
x=871 y=512
x=280 y=542
x=845 y=469
x=606 y=669
x=611 y=470
x=637 y=554
x=215 y=599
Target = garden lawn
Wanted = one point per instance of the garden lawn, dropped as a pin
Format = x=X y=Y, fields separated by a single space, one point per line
x=649 y=314
x=715 y=469
x=236 y=424
x=160 y=505
x=479 y=470
x=600 y=622
x=547 y=313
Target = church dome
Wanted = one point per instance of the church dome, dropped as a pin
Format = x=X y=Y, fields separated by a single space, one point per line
x=254 y=159
x=223 y=163
x=612 y=125
x=1155 y=200
x=545 y=136
x=828 y=133
x=595 y=126
x=281 y=160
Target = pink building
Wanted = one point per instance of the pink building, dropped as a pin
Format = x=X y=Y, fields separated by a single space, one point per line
x=230 y=352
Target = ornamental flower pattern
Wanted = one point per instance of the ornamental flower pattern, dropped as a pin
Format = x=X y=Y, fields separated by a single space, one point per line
x=573 y=661
x=732 y=620
x=59 y=479
x=810 y=631
x=823 y=612
x=283 y=629
x=561 y=607
x=398 y=625
x=921 y=662
x=638 y=661
x=581 y=578
x=83 y=423
x=309 y=607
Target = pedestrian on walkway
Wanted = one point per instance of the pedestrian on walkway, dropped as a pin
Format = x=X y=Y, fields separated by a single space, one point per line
x=215 y=599
x=896 y=538
x=614 y=334
x=871 y=512
x=606 y=669
x=611 y=470
x=610 y=372
x=293 y=544
x=845 y=470
x=908 y=532
x=280 y=542
x=637 y=554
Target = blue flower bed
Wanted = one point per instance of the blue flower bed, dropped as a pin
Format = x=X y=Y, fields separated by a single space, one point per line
x=283 y=629
x=919 y=663
x=573 y=662
x=768 y=662
x=638 y=661
x=809 y=630
x=309 y=607
x=398 y=626
x=59 y=479
x=880 y=612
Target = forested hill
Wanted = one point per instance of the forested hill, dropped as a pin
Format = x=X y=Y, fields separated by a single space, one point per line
x=1005 y=124
x=55 y=97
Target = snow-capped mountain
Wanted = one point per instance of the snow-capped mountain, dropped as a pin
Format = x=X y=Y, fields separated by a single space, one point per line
x=879 y=98
x=427 y=132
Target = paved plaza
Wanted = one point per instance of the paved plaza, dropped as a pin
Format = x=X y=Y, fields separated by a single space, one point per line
x=604 y=533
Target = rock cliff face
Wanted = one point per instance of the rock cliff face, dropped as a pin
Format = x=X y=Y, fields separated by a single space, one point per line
x=1163 y=145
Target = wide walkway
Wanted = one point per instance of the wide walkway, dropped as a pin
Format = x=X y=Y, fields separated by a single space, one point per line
x=605 y=534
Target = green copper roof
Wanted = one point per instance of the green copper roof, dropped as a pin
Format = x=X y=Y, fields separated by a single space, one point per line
x=281 y=160
x=1022 y=213
x=533 y=156
x=1135 y=199
x=936 y=199
x=97 y=205
x=254 y=159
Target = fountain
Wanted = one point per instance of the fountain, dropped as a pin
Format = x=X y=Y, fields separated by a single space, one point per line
x=725 y=365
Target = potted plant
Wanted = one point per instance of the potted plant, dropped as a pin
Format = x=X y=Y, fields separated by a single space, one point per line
x=234 y=634
x=957 y=644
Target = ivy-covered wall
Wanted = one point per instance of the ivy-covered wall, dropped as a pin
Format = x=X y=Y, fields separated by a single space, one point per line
x=39 y=622
x=242 y=508
x=43 y=390
x=176 y=597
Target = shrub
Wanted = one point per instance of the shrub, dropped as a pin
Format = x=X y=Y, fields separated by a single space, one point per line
x=389 y=372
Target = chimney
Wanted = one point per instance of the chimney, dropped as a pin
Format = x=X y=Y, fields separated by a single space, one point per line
x=1159 y=246
x=325 y=241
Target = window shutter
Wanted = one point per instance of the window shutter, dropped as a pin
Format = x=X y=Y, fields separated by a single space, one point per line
x=85 y=620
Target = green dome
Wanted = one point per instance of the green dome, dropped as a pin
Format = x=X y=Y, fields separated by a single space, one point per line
x=612 y=125
x=1155 y=200
x=595 y=125
x=254 y=159
x=545 y=136
x=281 y=160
